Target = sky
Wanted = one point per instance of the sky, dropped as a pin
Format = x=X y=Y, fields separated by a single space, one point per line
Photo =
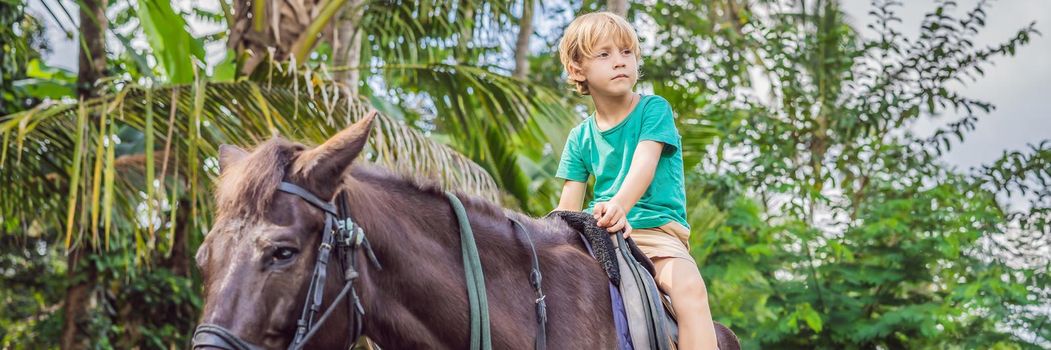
x=1016 y=85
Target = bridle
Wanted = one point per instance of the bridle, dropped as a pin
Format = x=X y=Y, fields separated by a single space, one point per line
x=343 y=235
x=348 y=238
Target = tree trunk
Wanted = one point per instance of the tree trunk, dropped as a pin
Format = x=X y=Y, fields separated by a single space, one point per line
x=525 y=31
x=347 y=46
x=619 y=7
x=78 y=299
x=277 y=30
x=81 y=275
x=92 y=63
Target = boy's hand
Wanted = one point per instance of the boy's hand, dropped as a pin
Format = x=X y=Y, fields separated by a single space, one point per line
x=613 y=217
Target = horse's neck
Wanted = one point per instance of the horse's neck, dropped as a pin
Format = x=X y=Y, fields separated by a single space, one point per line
x=405 y=216
x=416 y=295
x=419 y=298
x=398 y=216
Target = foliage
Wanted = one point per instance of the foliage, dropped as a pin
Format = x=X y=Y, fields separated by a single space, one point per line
x=32 y=282
x=128 y=175
x=172 y=44
x=24 y=80
x=851 y=233
x=434 y=65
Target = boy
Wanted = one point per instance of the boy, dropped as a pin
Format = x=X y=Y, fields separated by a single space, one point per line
x=631 y=146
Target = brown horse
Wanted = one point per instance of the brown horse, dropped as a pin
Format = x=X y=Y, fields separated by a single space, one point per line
x=258 y=259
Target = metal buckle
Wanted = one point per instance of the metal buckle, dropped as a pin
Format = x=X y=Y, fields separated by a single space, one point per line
x=359 y=235
x=347 y=229
x=345 y=224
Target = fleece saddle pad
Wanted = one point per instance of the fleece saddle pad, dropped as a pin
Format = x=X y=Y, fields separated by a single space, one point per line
x=638 y=307
x=598 y=239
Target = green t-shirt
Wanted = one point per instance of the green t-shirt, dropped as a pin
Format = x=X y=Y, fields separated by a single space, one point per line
x=607 y=155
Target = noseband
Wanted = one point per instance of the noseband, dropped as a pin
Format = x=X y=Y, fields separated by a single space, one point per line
x=347 y=238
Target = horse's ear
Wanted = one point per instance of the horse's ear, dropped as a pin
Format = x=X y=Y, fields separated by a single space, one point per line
x=228 y=155
x=322 y=168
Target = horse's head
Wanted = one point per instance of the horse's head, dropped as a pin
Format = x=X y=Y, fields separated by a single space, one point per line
x=258 y=259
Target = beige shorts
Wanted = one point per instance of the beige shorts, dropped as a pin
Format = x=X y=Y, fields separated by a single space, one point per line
x=671 y=240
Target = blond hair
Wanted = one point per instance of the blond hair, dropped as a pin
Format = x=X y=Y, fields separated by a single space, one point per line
x=580 y=38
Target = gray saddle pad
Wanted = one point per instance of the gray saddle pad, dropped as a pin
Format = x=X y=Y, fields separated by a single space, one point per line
x=650 y=325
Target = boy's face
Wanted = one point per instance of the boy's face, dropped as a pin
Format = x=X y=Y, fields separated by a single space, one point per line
x=612 y=71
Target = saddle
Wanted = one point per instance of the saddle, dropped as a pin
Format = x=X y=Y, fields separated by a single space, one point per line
x=642 y=314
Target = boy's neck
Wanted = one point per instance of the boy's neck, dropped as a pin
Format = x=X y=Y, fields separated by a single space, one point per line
x=611 y=110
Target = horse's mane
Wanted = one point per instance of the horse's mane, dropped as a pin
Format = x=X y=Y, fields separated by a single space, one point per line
x=247 y=188
x=389 y=178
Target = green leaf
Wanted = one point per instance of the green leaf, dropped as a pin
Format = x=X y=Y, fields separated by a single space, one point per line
x=38 y=69
x=44 y=88
x=226 y=71
x=812 y=318
x=173 y=46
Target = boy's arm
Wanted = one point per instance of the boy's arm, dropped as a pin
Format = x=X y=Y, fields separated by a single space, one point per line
x=613 y=214
x=572 y=198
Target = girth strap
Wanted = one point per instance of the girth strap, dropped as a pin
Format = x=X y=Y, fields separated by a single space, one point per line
x=481 y=338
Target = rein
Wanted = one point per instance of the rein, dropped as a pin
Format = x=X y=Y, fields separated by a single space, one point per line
x=347 y=238
x=481 y=337
x=479 y=304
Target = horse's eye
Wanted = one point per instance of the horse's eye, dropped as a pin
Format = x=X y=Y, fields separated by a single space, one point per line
x=283 y=254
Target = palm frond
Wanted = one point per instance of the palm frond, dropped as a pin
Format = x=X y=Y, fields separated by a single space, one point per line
x=491 y=118
x=402 y=31
x=52 y=174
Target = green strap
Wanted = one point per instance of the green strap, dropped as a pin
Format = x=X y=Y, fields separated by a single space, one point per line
x=472 y=266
